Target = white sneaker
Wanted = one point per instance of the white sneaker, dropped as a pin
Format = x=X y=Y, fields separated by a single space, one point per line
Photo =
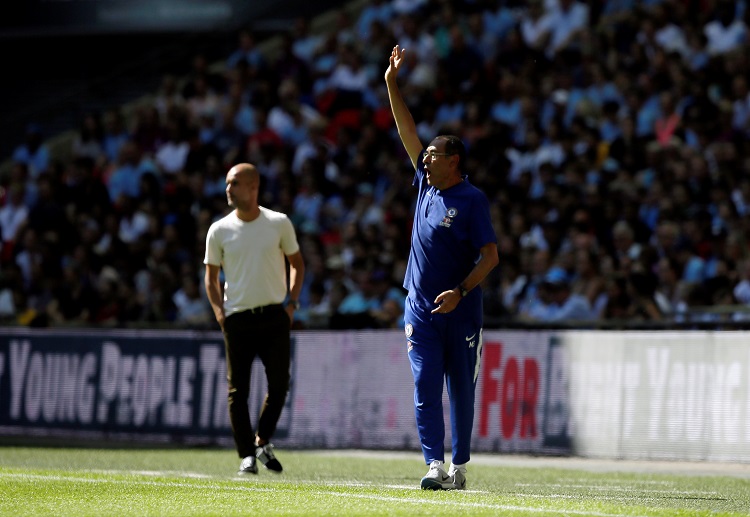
x=437 y=478
x=248 y=466
x=458 y=476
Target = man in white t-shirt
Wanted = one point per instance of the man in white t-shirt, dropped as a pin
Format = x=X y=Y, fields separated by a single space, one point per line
x=252 y=246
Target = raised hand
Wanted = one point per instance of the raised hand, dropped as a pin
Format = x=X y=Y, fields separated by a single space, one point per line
x=396 y=60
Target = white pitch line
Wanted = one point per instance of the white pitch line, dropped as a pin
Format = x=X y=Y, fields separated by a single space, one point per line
x=175 y=484
x=158 y=473
x=505 y=507
x=635 y=482
x=616 y=488
x=421 y=501
x=152 y=473
x=568 y=496
x=371 y=485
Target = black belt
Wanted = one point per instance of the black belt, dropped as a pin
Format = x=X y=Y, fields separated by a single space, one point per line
x=264 y=308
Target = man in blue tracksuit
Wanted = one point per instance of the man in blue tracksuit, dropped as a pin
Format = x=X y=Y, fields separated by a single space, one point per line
x=453 y=248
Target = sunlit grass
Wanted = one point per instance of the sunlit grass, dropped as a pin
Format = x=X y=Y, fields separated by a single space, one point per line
x=135 y=482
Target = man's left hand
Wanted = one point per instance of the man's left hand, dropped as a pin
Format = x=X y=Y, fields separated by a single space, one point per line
x=447 y=301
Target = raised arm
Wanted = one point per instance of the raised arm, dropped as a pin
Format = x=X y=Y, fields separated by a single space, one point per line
x=407 y=129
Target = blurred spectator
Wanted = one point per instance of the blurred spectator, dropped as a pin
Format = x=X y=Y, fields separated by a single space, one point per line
x=227 y=140
x=587 y=280
x=359 y=306
x=88 y=143
x=236 y=108
x=536 y=26
x=171 y=155
x=668 y=35
x=288 y=67
x=74 y=300
x=627 y=250
x=641 y=288
x=375 y=11
x=568 y=21
x=465 y=61
x=307 y=205
x=13 y=216
x=86 y=193
x=408 y=6
x=741 y=105
x=668 y=124
x=291 y=119
x=11 y=293
x=323 y=62
x=192 y=306
x=19 y=175
x=527 y=287
x=349 y=76
x=742 y=288
x=33 y=151
x=671 y=290
x=148 y=131
x=725 y=32
x=168 y=98
x=48 y=218
x=115 y=133
x=304 y=43
x=134 y=222
x=201 y=70
x=343 y=27
x=419 y=42
x=246 y=52
x=204 y=102
x=558 y=303
x=125 y=176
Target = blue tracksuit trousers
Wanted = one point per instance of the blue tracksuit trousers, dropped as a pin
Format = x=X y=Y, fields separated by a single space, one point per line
x=444 y=346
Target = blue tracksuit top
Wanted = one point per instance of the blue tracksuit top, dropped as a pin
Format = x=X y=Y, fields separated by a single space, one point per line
x=450 y=226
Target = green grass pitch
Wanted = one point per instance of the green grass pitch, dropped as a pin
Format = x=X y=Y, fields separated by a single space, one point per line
x=56 y=481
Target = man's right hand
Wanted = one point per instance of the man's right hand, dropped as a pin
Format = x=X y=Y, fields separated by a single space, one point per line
x=407 y=129
x=396 y=60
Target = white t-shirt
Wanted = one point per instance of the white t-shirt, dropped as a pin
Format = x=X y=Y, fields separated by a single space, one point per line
x=252 y=257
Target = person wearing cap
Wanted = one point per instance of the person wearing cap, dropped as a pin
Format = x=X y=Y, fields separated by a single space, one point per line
x=252 y=245
x=453 y=248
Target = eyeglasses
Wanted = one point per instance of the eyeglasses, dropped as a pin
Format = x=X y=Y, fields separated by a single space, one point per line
x=433 y=154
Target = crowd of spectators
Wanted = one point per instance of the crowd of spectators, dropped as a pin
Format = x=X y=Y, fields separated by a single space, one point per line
x=612 y=139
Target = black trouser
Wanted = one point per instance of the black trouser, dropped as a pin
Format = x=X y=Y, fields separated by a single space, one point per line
x=264 y=333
